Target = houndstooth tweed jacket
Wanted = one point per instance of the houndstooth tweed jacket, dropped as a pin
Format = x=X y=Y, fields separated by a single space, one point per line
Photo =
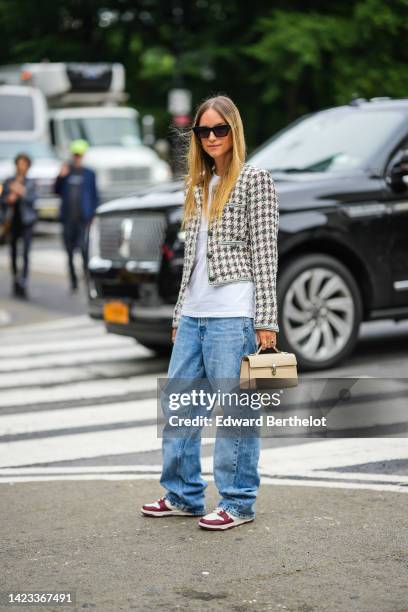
x=243 y=246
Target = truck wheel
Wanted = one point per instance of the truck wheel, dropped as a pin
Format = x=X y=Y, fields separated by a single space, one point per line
x=320 y=311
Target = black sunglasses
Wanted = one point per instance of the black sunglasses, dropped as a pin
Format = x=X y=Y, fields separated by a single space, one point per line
x=220 y=131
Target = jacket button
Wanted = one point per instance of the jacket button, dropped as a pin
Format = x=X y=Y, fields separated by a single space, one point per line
x=210 y=232
x=209 y=254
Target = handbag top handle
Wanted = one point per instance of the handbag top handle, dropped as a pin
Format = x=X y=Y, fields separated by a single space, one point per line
x=272 y=347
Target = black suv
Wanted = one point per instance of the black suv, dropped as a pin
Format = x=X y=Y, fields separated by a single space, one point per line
x=341 y=176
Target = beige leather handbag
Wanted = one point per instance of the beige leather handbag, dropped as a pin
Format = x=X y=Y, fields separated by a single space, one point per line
x=269 y=370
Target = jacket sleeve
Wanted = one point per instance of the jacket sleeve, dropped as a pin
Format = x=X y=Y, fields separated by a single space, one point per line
x=180 y=299
x=263 y=231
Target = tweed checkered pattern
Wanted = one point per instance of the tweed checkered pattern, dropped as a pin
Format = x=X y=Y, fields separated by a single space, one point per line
x=243 y=245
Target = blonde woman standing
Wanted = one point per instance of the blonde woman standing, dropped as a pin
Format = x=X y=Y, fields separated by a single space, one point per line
x=226 y=307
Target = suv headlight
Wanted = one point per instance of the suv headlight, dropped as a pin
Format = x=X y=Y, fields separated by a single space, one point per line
x=95 y=238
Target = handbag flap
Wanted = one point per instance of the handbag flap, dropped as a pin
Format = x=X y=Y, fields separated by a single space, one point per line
x=268 y=360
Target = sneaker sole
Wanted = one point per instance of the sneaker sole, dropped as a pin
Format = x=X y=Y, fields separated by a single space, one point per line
x=223 y=527
x=165 y=513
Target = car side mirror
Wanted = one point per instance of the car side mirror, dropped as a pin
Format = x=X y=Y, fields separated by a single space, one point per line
x=397 y=178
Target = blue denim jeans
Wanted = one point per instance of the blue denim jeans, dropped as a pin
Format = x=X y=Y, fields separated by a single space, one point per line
x=211 y=348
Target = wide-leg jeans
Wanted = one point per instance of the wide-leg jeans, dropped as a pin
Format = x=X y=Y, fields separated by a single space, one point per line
x=211 y=348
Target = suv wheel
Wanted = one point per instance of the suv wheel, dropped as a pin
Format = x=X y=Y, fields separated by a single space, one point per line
x=319 y=311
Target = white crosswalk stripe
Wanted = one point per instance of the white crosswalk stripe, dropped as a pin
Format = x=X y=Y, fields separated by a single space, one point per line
x=77 y=344
x=68 y=359
x=74 y=401
x=48 y=420
x=78 y=391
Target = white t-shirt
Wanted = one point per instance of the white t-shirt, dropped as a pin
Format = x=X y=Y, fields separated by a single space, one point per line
x=236 y=299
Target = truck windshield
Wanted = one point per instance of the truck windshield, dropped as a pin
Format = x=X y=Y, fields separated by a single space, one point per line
x=333 y=141
x=16 y=113
x=103 y=131
x=36 y=150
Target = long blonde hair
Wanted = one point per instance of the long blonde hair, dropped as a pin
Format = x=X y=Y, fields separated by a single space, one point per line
x=200 y=164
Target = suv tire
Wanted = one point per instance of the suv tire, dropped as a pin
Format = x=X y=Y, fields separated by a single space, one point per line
x=320 y=311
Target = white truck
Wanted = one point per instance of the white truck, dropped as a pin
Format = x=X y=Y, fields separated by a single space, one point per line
x=84 y=101
x=24 y=129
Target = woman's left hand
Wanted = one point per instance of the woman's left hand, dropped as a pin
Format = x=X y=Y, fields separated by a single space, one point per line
x=266 y=338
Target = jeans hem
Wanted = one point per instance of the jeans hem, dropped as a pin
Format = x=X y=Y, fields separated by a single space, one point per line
x=185 y=508
x=234 y=512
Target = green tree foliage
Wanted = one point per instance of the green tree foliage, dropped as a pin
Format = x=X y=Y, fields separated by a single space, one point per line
x=277 y=60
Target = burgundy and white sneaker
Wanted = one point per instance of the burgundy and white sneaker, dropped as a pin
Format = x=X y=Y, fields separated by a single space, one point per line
x=221 y=519
x=162 y=507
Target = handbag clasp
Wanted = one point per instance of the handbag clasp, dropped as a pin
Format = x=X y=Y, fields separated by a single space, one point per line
x=274 y=369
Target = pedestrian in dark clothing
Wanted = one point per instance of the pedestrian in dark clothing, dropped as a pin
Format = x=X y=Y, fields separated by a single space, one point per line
x=76 y=185
x=17 y=202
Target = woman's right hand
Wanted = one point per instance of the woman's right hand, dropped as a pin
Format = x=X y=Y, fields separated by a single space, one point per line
x=173 y=334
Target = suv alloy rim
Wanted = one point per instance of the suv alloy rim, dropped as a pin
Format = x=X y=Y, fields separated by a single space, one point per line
x=318 y=314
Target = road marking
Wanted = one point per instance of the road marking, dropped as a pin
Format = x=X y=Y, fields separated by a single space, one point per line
x=305 y=458
x=37 y=348
x=70 y=359
x=78 y=391
x=71 y=352
x=151 y=475
x=59 y=324
x=105 y=414
x=62 y=375
x=82 y=446
x=79 y=446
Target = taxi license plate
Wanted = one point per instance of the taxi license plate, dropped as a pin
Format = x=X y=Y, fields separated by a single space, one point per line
x=116 y=312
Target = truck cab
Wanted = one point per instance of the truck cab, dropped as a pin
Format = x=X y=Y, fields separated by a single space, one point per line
x=116 y=151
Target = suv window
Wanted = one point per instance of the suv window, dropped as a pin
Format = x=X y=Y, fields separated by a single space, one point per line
x=329 y=141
